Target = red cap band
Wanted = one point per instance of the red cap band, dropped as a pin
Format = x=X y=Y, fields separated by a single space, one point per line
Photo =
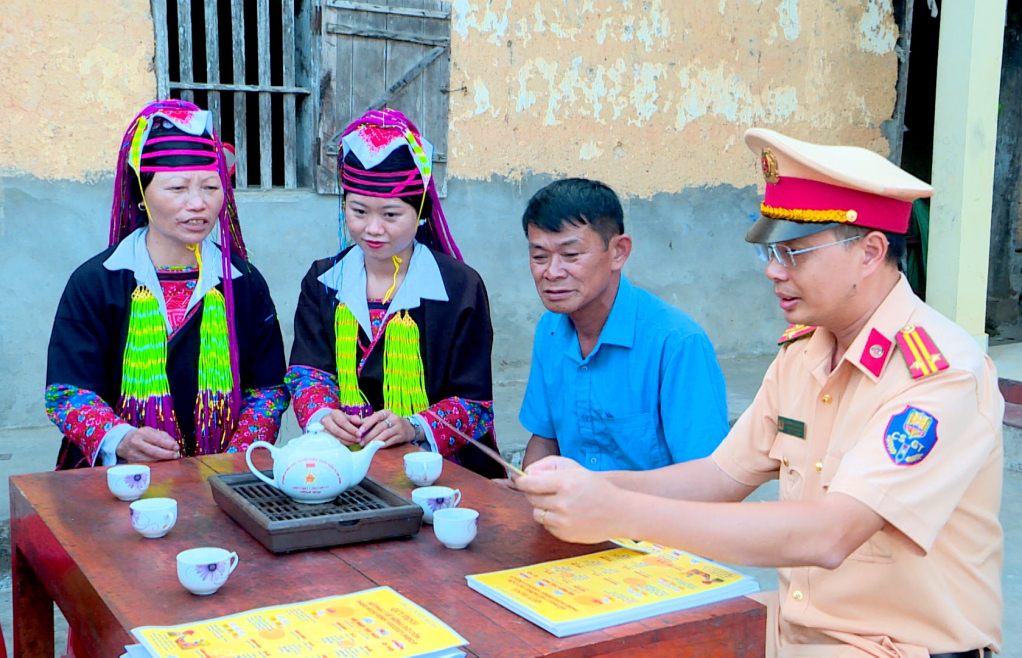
x=802 y=200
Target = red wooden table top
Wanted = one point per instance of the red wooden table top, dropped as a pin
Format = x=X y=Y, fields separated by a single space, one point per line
x=79 y=539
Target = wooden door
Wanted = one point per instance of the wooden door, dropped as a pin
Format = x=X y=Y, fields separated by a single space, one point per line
x=393 y=53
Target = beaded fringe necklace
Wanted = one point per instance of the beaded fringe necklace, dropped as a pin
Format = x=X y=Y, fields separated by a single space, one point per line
x=404 y=381
x=145 y=391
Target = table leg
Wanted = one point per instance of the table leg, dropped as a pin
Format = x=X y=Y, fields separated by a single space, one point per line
x=33 y=611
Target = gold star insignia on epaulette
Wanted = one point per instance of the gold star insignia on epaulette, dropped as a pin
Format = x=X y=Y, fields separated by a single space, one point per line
x=921 y=355
x=794 y=332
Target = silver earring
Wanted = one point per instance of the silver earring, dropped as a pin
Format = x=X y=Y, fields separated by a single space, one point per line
x=141 y=206
x=422 y=222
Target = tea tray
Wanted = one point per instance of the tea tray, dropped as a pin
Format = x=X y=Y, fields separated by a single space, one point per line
x=367 y=512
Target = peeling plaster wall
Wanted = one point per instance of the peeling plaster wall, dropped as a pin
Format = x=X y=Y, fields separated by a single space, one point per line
x=653 y=96
x=74 y=74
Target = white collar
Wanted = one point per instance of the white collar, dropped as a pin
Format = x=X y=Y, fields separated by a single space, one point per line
x=422 y=281
x=132 y=254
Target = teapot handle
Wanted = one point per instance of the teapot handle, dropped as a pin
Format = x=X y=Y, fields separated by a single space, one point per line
x=251 y=467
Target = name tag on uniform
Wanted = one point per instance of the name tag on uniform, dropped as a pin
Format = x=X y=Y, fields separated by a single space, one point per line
x=795 y=428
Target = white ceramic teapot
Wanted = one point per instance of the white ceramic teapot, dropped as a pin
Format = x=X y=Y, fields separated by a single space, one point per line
x=316 y=467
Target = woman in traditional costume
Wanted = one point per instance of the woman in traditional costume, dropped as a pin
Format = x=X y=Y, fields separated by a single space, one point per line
x=154 y=353
x=393 y=334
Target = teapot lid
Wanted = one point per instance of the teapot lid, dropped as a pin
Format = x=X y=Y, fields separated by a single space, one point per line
x=316 y=438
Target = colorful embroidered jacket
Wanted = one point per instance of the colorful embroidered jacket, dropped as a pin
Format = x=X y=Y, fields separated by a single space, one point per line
x=456 y=340
x=86 y=353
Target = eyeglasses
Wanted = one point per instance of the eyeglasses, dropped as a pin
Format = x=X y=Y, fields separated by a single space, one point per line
x=786 y=256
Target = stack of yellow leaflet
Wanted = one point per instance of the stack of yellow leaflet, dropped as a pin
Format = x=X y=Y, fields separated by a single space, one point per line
x=374 y=622
x=590 y=592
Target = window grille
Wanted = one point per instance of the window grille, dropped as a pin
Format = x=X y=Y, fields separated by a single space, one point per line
x=252 y=65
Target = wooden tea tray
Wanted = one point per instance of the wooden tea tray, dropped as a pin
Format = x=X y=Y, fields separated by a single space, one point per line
x=367 y=512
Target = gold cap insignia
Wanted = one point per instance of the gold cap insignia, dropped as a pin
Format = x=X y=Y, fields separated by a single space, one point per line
x=769 y=163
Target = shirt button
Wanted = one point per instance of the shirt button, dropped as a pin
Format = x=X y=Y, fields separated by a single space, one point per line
x=797 y=595
x=784 y=460
x=826 y=399
x=584 y=368
x=593 y=460
x=819 y=467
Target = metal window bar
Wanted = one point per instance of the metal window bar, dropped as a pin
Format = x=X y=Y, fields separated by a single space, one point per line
x=216 y=28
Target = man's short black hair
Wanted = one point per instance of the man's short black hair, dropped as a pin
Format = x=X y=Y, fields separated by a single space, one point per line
x=578 y=202
x=897 y=246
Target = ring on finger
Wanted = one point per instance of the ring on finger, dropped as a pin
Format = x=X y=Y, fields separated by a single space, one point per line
x=389 y=424
x=542 y=517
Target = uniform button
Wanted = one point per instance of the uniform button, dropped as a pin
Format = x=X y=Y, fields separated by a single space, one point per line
x=593 y=460
x=819 y=467
x=826 y=399
x=797 y=595
x=784 y=460
x=584 y=368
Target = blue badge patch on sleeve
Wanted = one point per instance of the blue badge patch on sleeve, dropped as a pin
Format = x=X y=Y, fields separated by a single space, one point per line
x=910 y=436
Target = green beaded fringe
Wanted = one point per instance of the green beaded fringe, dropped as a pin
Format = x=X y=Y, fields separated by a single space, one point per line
x=213 y=422
x=145 y=391
x=352 y=401
x=404 y=382
x=214 y=352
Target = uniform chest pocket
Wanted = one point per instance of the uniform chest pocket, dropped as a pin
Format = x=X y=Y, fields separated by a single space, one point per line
x=790 y=451
x=634 y=438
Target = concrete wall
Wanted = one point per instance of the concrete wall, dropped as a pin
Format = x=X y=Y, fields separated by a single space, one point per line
x=688 y=250
x=650 y=96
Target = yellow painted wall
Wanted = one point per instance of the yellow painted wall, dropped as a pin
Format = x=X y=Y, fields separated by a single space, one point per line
x=73 y=73
x=650 y=96
x=653 y=96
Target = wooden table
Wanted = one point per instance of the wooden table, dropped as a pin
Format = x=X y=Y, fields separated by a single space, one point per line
x=72 y=543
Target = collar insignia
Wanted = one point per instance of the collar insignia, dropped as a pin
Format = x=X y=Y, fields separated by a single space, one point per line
x=874 y=352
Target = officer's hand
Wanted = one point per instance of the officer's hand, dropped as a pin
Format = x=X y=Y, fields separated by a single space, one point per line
x=146 y=444
x=551 y=464
x=574 y=504
x=507 y=483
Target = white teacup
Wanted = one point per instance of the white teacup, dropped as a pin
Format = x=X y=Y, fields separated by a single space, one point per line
x=153 y=517
x=128 y=482
x=455 y=527
x=423 y=468
x=432 y=499
x=203 y=570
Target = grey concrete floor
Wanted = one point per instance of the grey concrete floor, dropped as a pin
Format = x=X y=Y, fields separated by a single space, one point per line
x=34 y=450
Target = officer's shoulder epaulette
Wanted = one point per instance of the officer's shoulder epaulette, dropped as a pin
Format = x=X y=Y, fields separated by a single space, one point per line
x=794 y=332
x=921 y=355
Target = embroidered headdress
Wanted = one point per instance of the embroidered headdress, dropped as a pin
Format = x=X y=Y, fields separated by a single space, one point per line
x=383 y=137
x=167 y=136
x=382 y=154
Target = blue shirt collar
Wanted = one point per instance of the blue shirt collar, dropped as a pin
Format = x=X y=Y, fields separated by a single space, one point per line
x=422 y=281
x=618 y=330
x=132 y=254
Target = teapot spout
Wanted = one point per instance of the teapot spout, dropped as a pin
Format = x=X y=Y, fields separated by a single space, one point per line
x=361 y=460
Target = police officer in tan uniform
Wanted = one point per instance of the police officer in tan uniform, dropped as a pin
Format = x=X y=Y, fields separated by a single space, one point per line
x=880 y=417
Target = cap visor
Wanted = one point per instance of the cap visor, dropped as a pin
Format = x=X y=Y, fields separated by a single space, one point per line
x=767 y=230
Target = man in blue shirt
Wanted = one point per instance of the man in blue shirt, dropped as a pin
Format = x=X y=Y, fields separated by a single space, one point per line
x=620 y=380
